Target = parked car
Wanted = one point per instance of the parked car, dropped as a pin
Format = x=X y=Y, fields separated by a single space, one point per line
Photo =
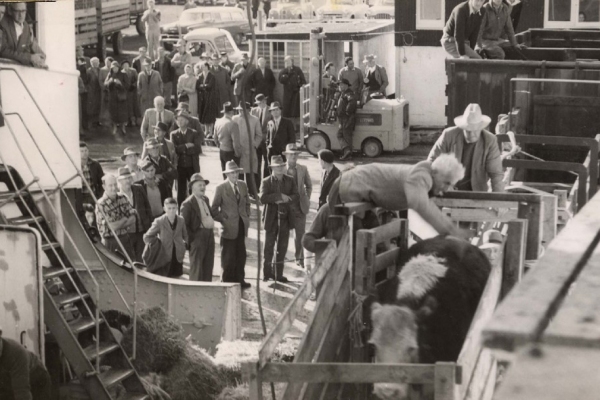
x=382 y=9
x=342 y=9
x=211 y=41
x=232 y=19
x=291 y=9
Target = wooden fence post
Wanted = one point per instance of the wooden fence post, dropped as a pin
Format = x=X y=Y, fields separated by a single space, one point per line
x=445 y=379
x=252 y=375
x=514 y=255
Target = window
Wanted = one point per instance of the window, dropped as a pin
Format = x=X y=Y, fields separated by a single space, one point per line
x=225 y=16
x=430 y=14
x=571 y=13
x=559 y=10
x=223 y=44
x=238 y=16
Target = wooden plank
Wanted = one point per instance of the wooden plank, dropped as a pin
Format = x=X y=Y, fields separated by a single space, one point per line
x=481 y=376
x=360 y=264
x=353 y=208
x=473 y=214
x=476 y=204
x=553 y=373
x=469 y=353
x=391 y=230
x=336 y=226
x=354 y=372
x=525 y=312
x=384 y=260
x=251 y=374
x=482 y=197
x=332 y=390
x=534 y=214
x=577 y=322
x=274 y=336
x=549 y=219
x=445 y=378
x=514 y=255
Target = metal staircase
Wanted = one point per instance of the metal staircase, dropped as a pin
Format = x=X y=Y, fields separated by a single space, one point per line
x=71 y=312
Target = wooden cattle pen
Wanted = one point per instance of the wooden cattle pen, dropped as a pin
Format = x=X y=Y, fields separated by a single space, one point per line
x=549 y=324
x=333 y=360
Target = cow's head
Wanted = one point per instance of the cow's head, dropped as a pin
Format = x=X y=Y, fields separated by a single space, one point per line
x=395 y=330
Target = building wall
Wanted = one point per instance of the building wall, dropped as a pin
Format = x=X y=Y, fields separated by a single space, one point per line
x=421 y=79
x=380 y=46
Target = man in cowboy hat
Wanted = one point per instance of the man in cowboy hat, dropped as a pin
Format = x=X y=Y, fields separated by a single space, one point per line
x=227 y=137
x=261 y=111
x=131 y=158
x=164 y=169
x=136 y=196
x=277 y=192
x=250 y=140
x=199 y=222
x=156 y=190
x=476 y=148
x=237 y=74
x=347 y=116
x=115 y=214
x=299 y=208
x=149 y=86
x=165 y=146
x=153 y=116
x=376 y=80
x=188 y=145
x=280 y=131
x=397 y=187
x=231 y=207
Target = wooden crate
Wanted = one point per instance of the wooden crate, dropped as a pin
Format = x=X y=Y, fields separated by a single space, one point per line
x=115 y=17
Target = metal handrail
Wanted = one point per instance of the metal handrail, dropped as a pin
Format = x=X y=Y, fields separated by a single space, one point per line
x=84 y=181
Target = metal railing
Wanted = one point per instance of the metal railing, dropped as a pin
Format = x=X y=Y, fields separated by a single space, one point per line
x=60 y=187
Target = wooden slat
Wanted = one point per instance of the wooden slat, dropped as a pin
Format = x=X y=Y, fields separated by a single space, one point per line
x=384 y=260
x=469 y=353
x=577 y=322
x=353 y=208
x=523 y=315
x=553 y=373
x=514 y=255
x=533 y=212
x=477 y=204
x=473 y=214
x=481 y=197
x=445 y=378
x=360 y=264
x=351 y=372
x=391 y=230
x=481 y=376
x=274 y=336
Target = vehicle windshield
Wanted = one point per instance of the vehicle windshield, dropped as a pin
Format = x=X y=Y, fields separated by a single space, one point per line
x=223 y=44
x=194 y=16
x=343 y=2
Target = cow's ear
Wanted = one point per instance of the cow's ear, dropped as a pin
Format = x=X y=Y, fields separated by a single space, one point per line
x=375 y=310
x=429 y=306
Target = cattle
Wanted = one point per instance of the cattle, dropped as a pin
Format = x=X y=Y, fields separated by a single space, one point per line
x=434 y=298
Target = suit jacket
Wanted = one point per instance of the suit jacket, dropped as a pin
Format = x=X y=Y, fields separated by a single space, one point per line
x=304 y=187
x=18 y=50
x=262 y=83
x=269 y=196
x=326 y=185
x=137 y=63
x=151 y=119
x=236 y=76
x=161 y=231
x=380 y=76
x=228 y=210
x=149 y=88
x=227 y=135
x=167 y=74
x=190 y=211
x=486 y=164
x=179 y=141
x=265 y=120
x=171 y=154
x=279 y=139
x=249 y=146
x=142 y=208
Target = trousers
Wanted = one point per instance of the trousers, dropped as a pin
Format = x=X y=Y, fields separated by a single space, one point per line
x=277 y=234
x=202 y=255
x=233 y=256
x=153 y=39
x=111 y=244
x=299 y=229
x=449 y=44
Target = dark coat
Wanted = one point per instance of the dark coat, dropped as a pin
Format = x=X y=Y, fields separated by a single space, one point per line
x=285 y=134
x=167 y=74
x=117 y=85
x=269 y=195
x=326 y=185
x=190 y=211
x=142 y=207
x=18 y=50
x=292 y=80
x=208 y=98
x=179 y=140
x=347 y=110
x=96 y=174
x=165 y=168
x=94 y=89
x=228 y=209
x=263 y=84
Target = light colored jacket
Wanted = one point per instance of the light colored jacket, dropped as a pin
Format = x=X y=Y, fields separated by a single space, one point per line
x=249 y=149
x=151 y=119
x=228 y=210
x=487 y=163
x=161 y=230
x=227 y=135
x=304 y=187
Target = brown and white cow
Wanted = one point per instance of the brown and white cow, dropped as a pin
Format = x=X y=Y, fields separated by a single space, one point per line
x=436 y=295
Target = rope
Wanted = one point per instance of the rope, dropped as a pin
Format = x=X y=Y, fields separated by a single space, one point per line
x=355 y=318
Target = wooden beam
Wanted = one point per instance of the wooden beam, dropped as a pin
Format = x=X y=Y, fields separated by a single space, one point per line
x=353 y=208
x=391 y=230
x=534 y=214
x=384 y=260
x=514 y=255
x=474 y=204
x=480 y=380
x=445 y=379
x=480 y=197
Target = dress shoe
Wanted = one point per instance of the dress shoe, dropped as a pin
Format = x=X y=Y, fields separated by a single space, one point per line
x=282 y=279
x=245 y=285
x=267 y=278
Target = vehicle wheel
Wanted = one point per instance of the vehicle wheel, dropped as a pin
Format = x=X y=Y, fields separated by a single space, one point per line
x=117 y=43
x=140 y=27
x=316 y=142
x=372 y=147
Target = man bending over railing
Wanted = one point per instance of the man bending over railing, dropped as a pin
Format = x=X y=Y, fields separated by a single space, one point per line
x=18 y=42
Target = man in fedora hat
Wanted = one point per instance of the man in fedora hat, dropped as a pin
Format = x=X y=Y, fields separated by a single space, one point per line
x=299 y=208
x=194 y=121
x=292 y=78
x=376 y=79
x=262 y=80
x=261 y=111
x=249 y=143
x=164 y=169
x=227 y=137
x=346 y=111
x=222 y=80
x=136 y=196
x=153 y=116
x=156 y=190
x=226 y=63
x=131 y=158
x=188 y=145
x=277 y=192
x=199 y=222
x=237 y=75
x=476 y=148
x=329 y=175
x=165 y=146
x=280 y=131
x=231 y=207
x=149 y=86
x=180 y=59
x=115 y=214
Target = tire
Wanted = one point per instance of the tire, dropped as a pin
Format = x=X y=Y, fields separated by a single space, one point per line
x=372 y=147
x=140 y=27
x=117 y=43
x=316 y=142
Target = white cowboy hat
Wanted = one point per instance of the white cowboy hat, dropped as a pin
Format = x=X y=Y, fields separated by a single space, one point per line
x=472 y=119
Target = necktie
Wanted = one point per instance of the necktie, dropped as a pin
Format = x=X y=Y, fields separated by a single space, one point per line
x=149 y=77
x=276 y=125
x=237 y=192
x=160 y=117
x=260 y=115
x=324 y=177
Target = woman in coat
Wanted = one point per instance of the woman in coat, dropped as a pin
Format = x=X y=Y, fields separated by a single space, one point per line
x=133 y=107
x=186 y=85
x=208 y=99
x=117 y=84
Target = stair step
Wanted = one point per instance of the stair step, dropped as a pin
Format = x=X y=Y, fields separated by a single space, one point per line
x=55 y=272
x=48 y=246
x=68 y=298
x=114 y=376
x=105 y=348
x=25 y=220
x=134 y=396
x=82 y=324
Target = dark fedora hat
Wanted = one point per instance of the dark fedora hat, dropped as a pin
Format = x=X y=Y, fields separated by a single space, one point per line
x=196 y=178
x=277 y=161
x=239 y=107
x=227 y=107
x=127 y=152
x=275 y=106
x=231 y=166
x=259 y=97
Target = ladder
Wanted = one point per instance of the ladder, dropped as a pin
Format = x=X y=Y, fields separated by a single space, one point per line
x=71 y=312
